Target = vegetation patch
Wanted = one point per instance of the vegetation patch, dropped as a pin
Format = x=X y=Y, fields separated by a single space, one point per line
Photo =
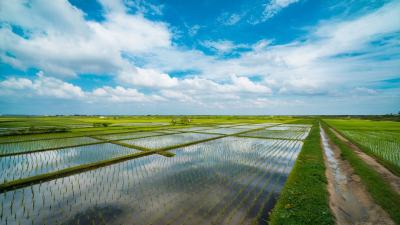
x=381 y=191
x=379 y=139
x=304 y=198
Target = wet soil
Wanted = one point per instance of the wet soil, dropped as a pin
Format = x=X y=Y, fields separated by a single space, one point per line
x=349 y=200
x=389 y=177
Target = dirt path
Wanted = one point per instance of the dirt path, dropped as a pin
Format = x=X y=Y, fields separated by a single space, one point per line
x=388 y=176
x=348 y=198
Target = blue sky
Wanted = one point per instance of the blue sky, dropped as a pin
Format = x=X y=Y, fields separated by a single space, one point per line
x=199 y=57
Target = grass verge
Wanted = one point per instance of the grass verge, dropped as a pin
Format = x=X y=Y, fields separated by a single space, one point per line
x=380 y=191
x=387 y=164
x=304 y=198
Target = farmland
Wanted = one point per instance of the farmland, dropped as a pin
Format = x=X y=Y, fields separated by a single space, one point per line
x=380 y=139
x=219 y=170
x=147 y=170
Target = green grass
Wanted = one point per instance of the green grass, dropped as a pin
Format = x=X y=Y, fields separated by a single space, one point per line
x=364 y=125
x=380 y=191
x=304 y=198
x=379 y=139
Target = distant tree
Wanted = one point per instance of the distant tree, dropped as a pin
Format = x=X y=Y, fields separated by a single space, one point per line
x=173 y=121
x=101 y=124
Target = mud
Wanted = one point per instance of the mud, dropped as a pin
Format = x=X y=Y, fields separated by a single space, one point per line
x=348 y=198
x=387 y=175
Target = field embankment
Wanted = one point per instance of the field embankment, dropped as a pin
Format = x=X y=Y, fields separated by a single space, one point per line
x=381 y=191
x=304 y=198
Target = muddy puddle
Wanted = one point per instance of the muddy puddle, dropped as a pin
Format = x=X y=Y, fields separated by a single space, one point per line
x=349 y=200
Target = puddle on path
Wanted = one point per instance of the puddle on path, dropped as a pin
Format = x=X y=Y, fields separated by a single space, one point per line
x=349 y=200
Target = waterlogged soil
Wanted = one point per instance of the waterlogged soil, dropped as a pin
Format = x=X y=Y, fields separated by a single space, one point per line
x=388 y=176
x=349 y=200
x=231 y=180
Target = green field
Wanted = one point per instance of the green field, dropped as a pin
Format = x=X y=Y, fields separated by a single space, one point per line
x=380 y=139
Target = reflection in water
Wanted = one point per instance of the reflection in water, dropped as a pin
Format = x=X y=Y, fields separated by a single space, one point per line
x=23 y=166
x=168 y=140
x=226 y=181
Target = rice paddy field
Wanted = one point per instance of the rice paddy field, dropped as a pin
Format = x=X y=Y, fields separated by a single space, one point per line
x=211 y=171
x=147 y=170
x=380 y=139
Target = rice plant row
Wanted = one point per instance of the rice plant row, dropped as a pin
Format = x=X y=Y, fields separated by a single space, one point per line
x=384 y=144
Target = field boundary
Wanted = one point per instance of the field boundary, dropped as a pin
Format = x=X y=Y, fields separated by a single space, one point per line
x=16 y=184
x=304 y=197
x=382 y=193
x=100 y=141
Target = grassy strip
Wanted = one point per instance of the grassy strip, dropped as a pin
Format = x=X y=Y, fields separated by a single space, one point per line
x=304 y=198
x=273 y=138
x=116 y=142
x=389 y=165
x=380 y=191
x=166 y=154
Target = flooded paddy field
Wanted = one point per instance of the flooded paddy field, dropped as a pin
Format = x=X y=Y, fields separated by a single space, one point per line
x=212 y=176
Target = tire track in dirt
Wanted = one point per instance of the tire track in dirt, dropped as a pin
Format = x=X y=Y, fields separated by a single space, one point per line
x=349 y=200
x=387 y=175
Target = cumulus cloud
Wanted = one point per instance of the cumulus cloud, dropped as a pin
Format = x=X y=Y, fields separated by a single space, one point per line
x=140 y=56
x=120 y=94
x=147 y=78
x=69 y=45
x=335 y=53
x=41 y=86
x=50 y=87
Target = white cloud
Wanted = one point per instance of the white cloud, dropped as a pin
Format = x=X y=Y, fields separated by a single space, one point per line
x=245 y=84
x=69 y=45
x=221 y=46
x=192 y=31
x=364 y=91
x=274 y=6
x=230 y=19
x=16 y=83
x=50 y=87
x=311 y=66
x=176 y=95
x=41 y=86
x=322 y=63
x=147 y=78
x=120 y=94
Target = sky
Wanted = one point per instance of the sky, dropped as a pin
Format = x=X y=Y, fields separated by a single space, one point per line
x=270 y=57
